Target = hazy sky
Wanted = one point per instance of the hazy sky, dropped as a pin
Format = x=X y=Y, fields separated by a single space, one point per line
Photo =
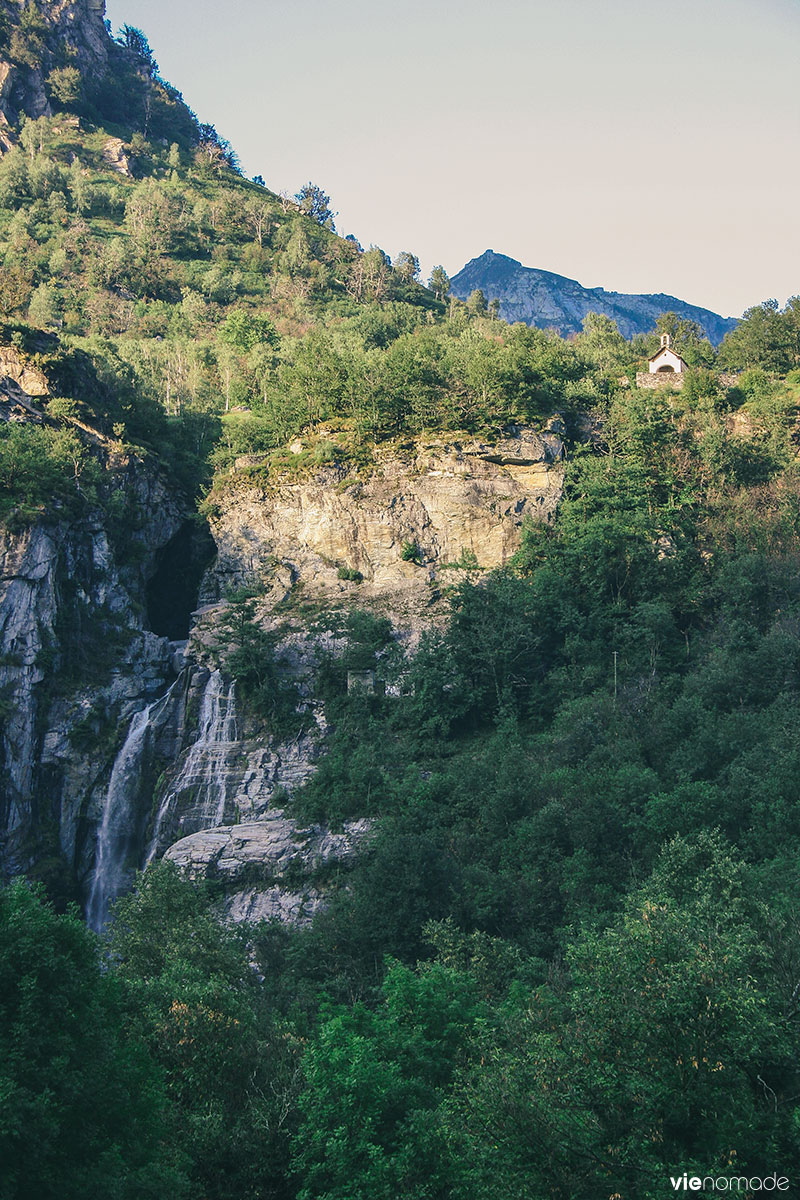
x=631 y=145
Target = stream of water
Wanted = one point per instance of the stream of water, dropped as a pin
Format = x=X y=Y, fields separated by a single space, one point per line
x=116 y=832
x=204 y=772
x=205 y=769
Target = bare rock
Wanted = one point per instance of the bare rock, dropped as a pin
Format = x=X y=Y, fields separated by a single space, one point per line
x=115 y=156
x=402 y=526
x=274 y=846
x=272 y=868
x=16 y=367
x=75 y=28
x=275 y=904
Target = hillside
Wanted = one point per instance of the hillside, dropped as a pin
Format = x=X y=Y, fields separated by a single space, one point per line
x=554 y=302
x=399 y=709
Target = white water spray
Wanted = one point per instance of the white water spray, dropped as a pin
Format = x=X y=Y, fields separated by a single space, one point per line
x=206 y=766
x=114 y=836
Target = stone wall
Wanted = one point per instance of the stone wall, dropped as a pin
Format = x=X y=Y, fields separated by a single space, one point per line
x=646 y=379
x=649 y=379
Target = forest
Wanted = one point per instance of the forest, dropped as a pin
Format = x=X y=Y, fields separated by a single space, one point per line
x=568 y=964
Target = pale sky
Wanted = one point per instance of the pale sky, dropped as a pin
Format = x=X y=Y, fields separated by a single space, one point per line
x=627 y=144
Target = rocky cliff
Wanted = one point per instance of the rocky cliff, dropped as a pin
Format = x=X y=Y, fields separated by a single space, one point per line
x=121 y=745
x=76 y=653
x=555 y=302
x=58 y=57
x=40 y=40
x=391 y=535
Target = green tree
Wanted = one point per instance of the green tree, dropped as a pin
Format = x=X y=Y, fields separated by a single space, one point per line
x=15 y=289
x=44 y=308
x=661 y=1050
x=439 y=283
x=83 y=1107
x=315 y=203
x=406 y=266
x=245 y=330
x=64 y=85
x=196 y=1005
x=765 y=337
x=373 y=1081
x=603 y=343
x=476 y=303
x=136 y=43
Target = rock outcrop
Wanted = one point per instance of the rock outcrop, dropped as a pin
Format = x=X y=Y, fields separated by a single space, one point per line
x=391 y=536
x=188 y=763
x=76 y=656
x=67 y=608
x=20 y=371
x=146 y=750
x=62 y=30
x=555 y=302
x=271 y=868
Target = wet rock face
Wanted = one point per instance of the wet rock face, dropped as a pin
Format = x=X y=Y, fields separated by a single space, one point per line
x=186 y=764
x=74 y=660
x=215 y=808
x=216 y=768
x=159 y=757
x=32 y=566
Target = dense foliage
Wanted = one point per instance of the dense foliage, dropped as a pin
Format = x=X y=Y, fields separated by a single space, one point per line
x=568 y=964
x=83 y=1105
x=583 y=871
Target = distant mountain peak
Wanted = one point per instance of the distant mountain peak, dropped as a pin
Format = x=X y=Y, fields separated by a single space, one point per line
x=493 y=256
x=490 y=260
x=550 y=301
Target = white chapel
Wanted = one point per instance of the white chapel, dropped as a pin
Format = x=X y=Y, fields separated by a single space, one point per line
x=666 y=361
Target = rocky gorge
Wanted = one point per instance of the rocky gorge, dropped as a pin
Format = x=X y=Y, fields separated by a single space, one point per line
x=123 y=743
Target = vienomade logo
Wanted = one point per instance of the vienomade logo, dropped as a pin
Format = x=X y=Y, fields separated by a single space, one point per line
x=729 y=1183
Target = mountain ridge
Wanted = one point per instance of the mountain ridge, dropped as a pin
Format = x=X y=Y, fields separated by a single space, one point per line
x=552 y=301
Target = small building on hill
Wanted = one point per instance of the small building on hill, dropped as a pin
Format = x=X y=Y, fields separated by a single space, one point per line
x=666 y=361
x=665 y=366
x=365 y=683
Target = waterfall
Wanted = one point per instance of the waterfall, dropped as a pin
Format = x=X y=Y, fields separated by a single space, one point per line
x=116 y=835
x=205 y=770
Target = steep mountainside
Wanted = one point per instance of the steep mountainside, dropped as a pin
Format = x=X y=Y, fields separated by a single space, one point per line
x=410 y=700
x=59 y=56
x=117 y=743
x=176 y=337
x=39 y=43
x=554 y=302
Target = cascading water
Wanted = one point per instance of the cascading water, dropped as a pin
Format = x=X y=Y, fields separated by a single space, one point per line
x=116 y=835
x=206 y=769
